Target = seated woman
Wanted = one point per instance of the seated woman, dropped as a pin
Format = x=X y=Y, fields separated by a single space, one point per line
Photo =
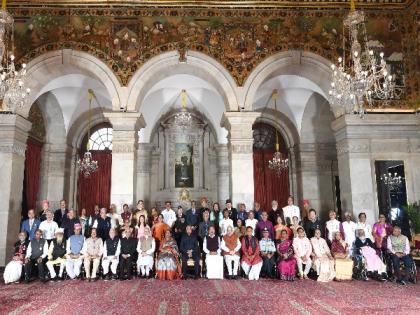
x=286 y=265
x=279 y=227
x=240 y=229
x=13 y=270
x=323 y=260
x=251 y=260
x=365 y=247
x=167 y=265
x=340 y=252
x=214 y=261
x=146 y=248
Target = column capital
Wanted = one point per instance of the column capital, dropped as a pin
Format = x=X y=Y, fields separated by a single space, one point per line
x=13 y=133
x=126 y=121
x=238 y=119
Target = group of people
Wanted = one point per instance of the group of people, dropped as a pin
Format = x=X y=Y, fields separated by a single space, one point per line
x=280 y=243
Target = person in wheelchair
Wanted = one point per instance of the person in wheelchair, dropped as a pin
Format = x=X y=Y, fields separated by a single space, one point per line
x=399 y=251
x=364 y=249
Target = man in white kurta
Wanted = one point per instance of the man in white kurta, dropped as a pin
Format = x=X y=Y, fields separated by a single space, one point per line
x=169 y=216
x=146 y=247
x=112 y=247
x=290 y=211
x=349 y=228
x=230 y=247
x=214 y=261
x=303 y=250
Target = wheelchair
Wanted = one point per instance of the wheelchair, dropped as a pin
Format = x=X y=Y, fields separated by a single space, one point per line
x=411 y=273
x=359 y=267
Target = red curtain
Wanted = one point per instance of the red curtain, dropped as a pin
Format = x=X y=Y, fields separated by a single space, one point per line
x=96 y=189
x=32 y=171
x=267 y=185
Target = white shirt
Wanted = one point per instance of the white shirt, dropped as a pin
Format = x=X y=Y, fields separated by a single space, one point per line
x=224 y=224
x=169 y=216
x=114 y=219
x=302 y=247
x=349 y=232
x=48 y=229
x=332 y=227
x=365 y=227
x=290 y=212
x=252 y=223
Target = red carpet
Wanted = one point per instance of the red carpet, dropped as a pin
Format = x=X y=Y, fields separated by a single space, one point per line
x=209 y=297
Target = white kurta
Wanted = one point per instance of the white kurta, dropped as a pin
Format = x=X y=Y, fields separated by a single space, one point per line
x=223 y=224
x=332 y=227
x=350 y=234
x=214 y=263
x=290 y=212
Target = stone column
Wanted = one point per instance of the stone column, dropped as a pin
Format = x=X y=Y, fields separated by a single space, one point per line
x=125 y=127
x=239 y=125
x=223 y=173
x=355 y=167
x=13 y=135
x=144 y=169
x=53 y=172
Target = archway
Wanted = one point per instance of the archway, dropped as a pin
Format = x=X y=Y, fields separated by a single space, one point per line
x=268 y=185
x=96 y=189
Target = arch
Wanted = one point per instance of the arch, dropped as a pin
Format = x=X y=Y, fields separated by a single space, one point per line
x=197 y=64
x=54 y=64
x=308 y=65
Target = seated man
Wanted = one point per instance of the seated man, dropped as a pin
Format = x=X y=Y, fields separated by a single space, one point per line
x=231 y=247
x=57 y=254
x=251 y=259
x=303 y=250
x=92 y=252
x=189 y=249
x=74 y=252
x=214 y=262
x=366 y=248
x=36 y=254
x=399 y=249
x=146 y=248
x=267 y=249
x=13 y=270
x=112 y=247
x=127 y=253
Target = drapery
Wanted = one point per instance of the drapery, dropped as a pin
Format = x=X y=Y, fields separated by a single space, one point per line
x=96 y=189
x=267 y=185
x=32 y=172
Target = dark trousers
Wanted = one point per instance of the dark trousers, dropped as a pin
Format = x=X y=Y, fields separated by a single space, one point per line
x=267 y=269
x=41 y=268
x=126 y=266
x=196 y=258
x=396 y=264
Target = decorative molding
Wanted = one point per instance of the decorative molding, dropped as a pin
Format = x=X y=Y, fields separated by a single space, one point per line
x=241 y=148
x=15 y=148
x=123 y=147
x=343 y=148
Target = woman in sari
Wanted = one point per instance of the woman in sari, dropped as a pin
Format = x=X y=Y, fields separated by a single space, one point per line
x=167 y=265
x=340 y=252
x=280 y=227
x=323 y=260
x=13 y=270
x=159 y=230
x=286 y=265
x=381 y=230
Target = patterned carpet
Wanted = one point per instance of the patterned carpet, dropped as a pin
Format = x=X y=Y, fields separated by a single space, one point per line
x=209 y=297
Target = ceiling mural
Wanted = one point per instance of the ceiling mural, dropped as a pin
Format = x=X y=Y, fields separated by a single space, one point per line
x=126 y=37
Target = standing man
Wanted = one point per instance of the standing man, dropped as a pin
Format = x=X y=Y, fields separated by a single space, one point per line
x=225 y=223
x=264 y=224
x=92 y=253
x=45 y=208
x=69 y=222
x=36 y=254
x=189 y=249
x=233 y=213
x=61 y=213
x=275 y=212
x=30 y=225
x=193 y=217
x=48 y=226
x=169 y=216
x=103 y=224
x=349 y=228
x=290 y=211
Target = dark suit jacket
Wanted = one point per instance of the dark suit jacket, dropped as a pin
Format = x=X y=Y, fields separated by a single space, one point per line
x=193 y=219
x=58 y=217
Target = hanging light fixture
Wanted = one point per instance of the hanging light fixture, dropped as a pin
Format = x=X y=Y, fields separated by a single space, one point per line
x=356 y=82
x=393 y=181
x=278 y=163
x=183 y=118
x=87 y=165
x=13 y=92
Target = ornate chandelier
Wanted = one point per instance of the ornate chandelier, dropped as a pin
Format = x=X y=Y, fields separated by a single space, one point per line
x=356 y=82
x=12 y=81
x=393 y=181
x=183 y=118
x=87 y=165
x=278 y=163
